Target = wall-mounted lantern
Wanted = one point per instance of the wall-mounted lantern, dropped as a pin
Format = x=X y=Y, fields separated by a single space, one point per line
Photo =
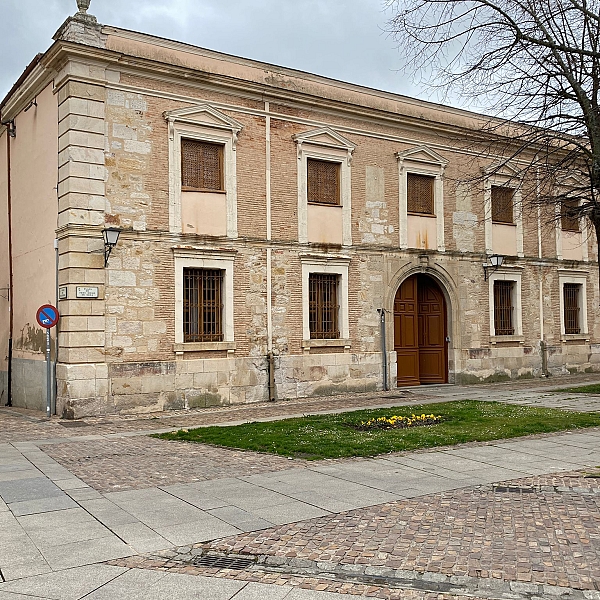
x=494 y=262
x=111 y=237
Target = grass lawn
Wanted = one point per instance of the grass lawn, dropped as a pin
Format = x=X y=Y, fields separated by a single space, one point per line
x=584 y=389
x=333 y=436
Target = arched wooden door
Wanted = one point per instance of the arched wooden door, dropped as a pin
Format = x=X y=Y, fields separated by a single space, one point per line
x=420 y=332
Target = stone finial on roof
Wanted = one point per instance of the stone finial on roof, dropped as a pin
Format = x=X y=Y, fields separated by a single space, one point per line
x=83 y=5
x=82 y=28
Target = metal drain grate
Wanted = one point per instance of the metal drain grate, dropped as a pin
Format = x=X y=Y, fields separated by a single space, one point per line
x=513 y=490
x=223 y=562
x=74 y=424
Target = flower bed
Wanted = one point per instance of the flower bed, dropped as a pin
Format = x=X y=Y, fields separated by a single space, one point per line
x=398 y=422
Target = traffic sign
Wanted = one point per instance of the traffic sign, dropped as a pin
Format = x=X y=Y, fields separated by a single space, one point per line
x=47 y=316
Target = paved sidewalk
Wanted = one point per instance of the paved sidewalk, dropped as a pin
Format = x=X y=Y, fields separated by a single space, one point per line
x=60 y=519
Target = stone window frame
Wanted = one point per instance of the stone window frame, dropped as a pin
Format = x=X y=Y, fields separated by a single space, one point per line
x=421 y=161
x=205 y=258
x=327 y=145
x=330 y=264
x=503 y=176
x=559 y=233
x=578 y=278
x=207 y=124
x=513 y=274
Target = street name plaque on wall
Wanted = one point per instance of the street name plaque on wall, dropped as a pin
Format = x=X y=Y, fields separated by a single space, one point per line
x=86 y=292
x=62 y=293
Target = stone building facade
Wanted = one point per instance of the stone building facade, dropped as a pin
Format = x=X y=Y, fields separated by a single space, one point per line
x=268 y=219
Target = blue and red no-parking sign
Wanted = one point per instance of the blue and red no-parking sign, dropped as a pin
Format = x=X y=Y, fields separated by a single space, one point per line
x=47 y=316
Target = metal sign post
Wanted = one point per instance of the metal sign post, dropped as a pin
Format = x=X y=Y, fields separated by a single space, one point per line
x=47 y=317
x=381 y=312
x=48 y=376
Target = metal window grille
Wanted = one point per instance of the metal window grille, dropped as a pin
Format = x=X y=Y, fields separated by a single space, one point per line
x=571 y=306
x=201 y=165
x=569 y=220
x=323 y=181
x=323 y=306
x=419 y=193
x=202 y=305
x=503 y=308
x=502 y=204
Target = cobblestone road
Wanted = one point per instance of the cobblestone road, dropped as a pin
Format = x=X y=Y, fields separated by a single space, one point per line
x=534 y=532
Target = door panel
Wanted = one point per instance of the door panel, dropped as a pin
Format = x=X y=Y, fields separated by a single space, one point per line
x=420 y=332
x=432 y=332
x=406 y=342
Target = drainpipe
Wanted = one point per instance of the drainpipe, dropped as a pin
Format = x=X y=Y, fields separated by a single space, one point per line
x=10 y=132
x=381 y=312
x=543 y=346
x=544 y=350
x=270 y=354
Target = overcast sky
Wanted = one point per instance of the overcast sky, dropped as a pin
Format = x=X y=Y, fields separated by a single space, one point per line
x=343 y=39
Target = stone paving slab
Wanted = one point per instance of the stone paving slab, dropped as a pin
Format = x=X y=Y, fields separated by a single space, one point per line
x=16 y=474
x=25 y=564
x=11 y=596
x=85 y=552
x=70 y=584
x=20 y=490
x=43 y=505
x=140 y=537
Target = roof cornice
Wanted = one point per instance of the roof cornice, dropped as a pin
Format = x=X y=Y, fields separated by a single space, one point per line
x=21 y=95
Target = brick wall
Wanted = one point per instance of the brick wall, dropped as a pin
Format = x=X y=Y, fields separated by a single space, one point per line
x=129 y=363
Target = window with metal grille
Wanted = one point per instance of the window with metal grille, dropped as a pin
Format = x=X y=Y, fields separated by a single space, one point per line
x=571 y=307
x=323 y=306
x=202 y=305
x=322 y=181
x=419 y=193
x=503 y=308
x=502 y=204
x=569 y=220
x=201 y=166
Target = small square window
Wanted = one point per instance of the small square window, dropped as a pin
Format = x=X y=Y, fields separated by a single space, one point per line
x=569 y=220
x=571 y=295
x=201 y=166
x=323 y=181
x=502 y=204
x=202 y=305
x=503 y=307
x=420 y=194
x=323 y=305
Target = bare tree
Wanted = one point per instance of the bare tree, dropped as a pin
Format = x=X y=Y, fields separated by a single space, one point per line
x=534 y=65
